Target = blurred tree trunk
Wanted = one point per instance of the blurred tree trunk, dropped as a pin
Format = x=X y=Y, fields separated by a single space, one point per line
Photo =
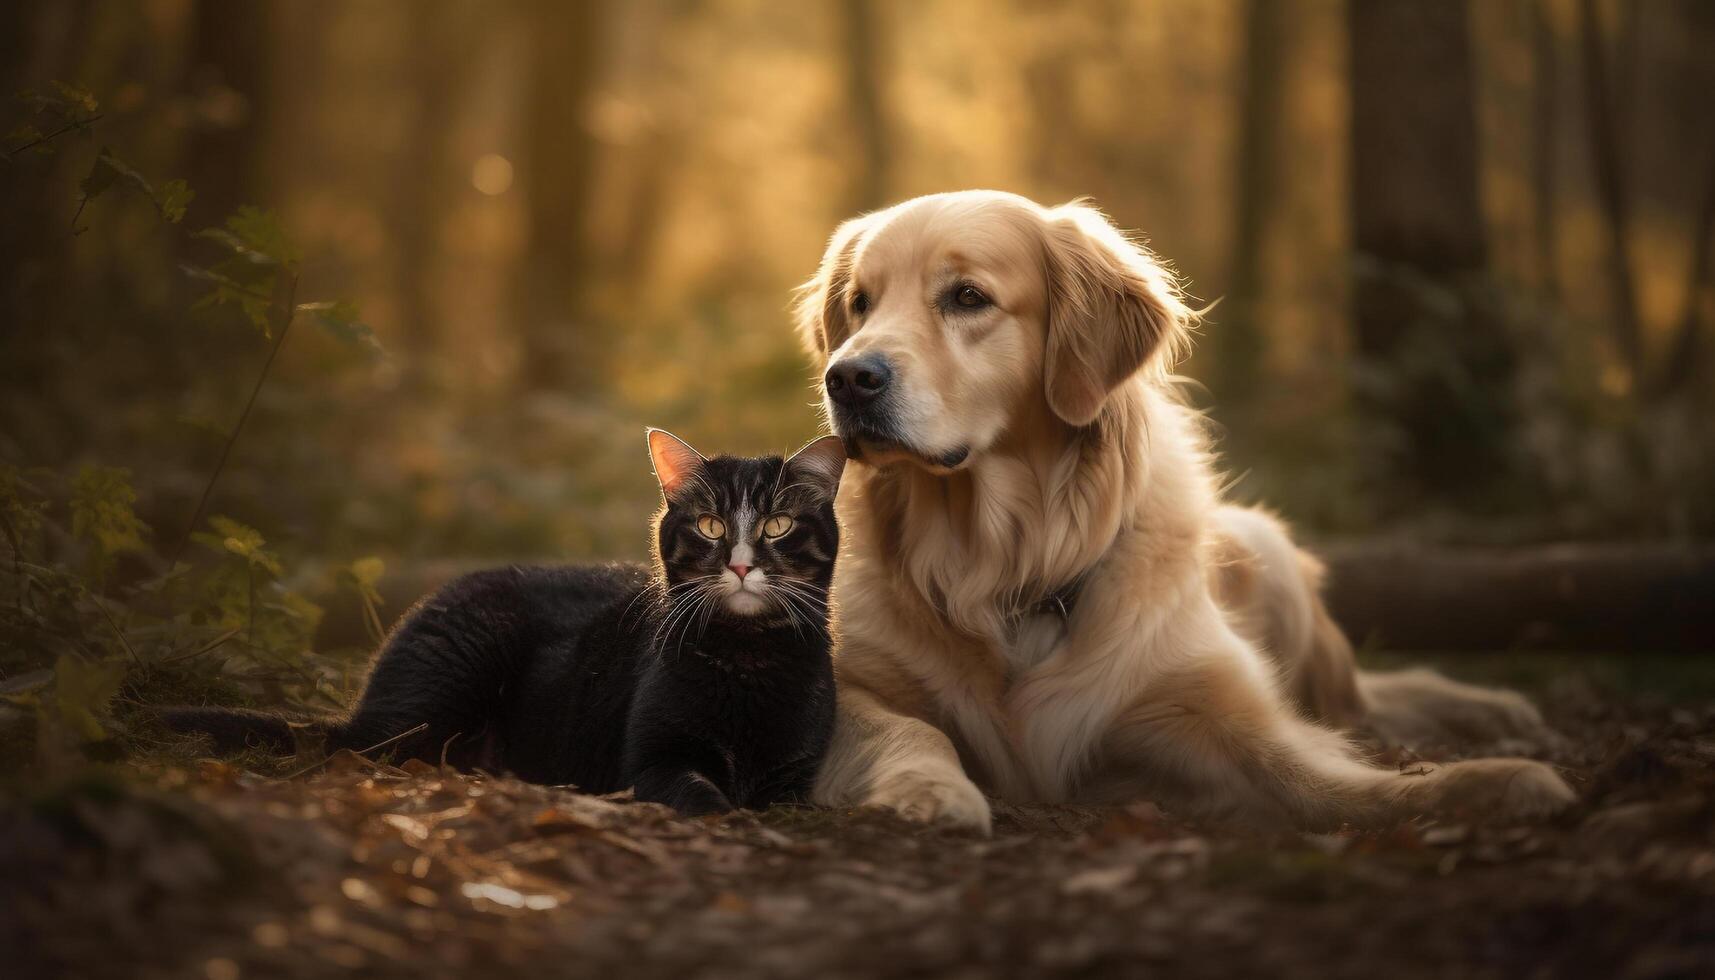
x=1436 y=367
x=1688 y=351
x=559 y=348
x=39 y=44
x=647 y=206
x=1240 y=340
x=640 y=155
x=436 y=67
x=226 y=80
x=864 y=37
x=1605 y=152
x=1545 y=137
x=1685 y=353
x=1414 y=142
x=17 y=34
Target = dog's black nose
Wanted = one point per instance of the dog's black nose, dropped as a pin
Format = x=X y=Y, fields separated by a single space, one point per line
x=856 y=381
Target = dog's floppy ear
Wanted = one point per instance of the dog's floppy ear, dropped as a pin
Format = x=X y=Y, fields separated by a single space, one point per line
x=821 y=308
x=1111 y=307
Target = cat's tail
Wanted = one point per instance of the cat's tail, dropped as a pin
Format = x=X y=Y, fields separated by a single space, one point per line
x=234 y=730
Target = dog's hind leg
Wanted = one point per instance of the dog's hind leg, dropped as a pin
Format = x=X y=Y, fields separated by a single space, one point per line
x=1213 y=740
x=1271 y=590
x=1418 y=706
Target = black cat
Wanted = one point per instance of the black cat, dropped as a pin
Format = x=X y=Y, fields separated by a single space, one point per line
x=706 y=686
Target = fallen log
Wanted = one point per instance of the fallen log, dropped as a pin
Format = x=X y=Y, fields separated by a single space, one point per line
x=1574 y=597
x=1577 y=597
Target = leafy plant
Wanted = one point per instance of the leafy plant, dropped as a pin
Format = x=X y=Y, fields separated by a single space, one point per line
x=170 y=199
x=99 y=615
x=62 y=109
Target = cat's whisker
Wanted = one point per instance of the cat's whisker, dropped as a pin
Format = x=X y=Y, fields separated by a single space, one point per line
x=799 y=620
x=799 y=607
x=693 y=608
x=708 y=613
x=657 y=591
x=794 y=604
x=800 y=583
x=800 y=600
x=653 y=591
x=680 y=608
x=705 y=608
x=804 y=590
x=703 y=599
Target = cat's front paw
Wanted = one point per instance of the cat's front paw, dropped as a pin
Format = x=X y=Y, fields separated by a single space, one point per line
x=947 y=798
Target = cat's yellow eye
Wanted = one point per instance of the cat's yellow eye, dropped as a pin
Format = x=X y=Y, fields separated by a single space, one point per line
x=777 y=525
x=711 y=527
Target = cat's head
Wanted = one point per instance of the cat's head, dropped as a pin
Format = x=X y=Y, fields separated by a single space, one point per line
x=747 y=537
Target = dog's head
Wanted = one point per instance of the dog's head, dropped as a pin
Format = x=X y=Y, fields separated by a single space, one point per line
x=940 y=322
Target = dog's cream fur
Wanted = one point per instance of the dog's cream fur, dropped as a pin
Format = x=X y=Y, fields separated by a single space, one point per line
x=1197 y=645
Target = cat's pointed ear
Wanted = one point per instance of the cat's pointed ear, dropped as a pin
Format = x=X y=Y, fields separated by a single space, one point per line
x=674 y=459
x=820 y=463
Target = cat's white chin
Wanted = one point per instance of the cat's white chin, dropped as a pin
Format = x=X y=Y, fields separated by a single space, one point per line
x=745 y=603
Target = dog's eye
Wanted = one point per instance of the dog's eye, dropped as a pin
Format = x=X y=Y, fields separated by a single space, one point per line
x=860 y=304
x=777 y=525
x=711 y=527
x=970 y=297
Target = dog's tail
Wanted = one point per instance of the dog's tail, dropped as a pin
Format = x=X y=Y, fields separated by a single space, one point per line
x=234 y=730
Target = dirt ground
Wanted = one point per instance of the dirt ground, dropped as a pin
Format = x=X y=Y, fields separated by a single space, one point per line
x=204 y=869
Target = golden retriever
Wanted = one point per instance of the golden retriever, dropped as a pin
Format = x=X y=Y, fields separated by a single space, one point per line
x=1041 y=592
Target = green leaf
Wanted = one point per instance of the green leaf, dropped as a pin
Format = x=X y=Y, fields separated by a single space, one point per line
x=339 y=318
x=102 y=175
x=75 y=98
x=172 y=199
x=253 y=297
x=364 y=575
x=255 y=234
x=108 y=170
x=368 y=571
x=103 y=514
x=63 y=103
x=242 y=540
x=21 y=504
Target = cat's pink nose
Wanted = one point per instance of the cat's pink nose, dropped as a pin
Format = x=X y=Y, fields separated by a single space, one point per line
x=739 y=570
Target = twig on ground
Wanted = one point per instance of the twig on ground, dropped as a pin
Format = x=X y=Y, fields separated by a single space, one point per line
x=363 y=752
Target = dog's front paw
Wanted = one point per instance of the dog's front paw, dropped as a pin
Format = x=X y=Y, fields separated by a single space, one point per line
x=934 y=797
x=1502 y=790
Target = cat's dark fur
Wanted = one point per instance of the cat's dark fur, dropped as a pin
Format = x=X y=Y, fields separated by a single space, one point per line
x=608 y=677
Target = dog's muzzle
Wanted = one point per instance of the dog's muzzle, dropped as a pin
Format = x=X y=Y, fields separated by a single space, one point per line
x=858 y=393
x=861 y=396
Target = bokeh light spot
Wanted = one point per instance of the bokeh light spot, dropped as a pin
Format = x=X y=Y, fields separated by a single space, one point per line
x=492 y=174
